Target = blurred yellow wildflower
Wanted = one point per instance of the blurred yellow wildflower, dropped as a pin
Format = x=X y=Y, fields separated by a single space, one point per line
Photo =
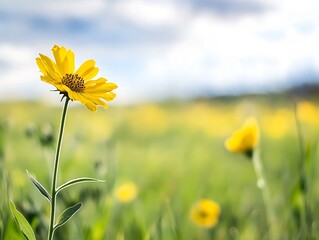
x=77 y=85
x=308 y=112
x=148 y=119
x=205 y=213
x=126 y=192
x=212 y=121
x=277 y=124
x=245 y=139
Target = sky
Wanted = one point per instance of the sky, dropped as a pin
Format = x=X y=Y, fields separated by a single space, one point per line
x=157 y=49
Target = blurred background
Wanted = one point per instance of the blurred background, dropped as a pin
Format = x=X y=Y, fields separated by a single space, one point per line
x=189 y=73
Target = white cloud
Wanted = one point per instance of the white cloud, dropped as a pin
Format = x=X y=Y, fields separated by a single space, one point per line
x=55 y=9
x=18 y=77
x=149 y=13
x=252 y=51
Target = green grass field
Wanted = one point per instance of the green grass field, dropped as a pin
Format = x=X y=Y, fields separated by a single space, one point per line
x=174 y=153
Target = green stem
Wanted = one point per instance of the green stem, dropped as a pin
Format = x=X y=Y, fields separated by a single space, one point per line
x=303 y=181
x=55 y=171
x=262 y=184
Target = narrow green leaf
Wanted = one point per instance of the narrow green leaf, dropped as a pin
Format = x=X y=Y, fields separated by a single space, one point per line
x=40 y=187
x=23 y=224
x=76 y=181
x=67 y=214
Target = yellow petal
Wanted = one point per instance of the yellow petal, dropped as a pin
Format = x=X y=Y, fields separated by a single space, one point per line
x=58 y=85
x=106 y=87
x=94 y=83
x=41 y=66
x=91 y=106
x=48 y=79
x=109 y=96
x=50 y=67
x=87 y=70
x=90 y=73
x=59 y=54
x=84 y=100
x=68 y=62
x=94 y=99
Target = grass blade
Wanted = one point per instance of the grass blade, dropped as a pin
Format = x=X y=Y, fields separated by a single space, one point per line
x=23 y=224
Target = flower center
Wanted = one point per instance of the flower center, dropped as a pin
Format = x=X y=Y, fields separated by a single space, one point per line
x=202 y=214
x=74 y=82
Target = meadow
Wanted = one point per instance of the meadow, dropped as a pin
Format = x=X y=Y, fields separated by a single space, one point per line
x=174 y=154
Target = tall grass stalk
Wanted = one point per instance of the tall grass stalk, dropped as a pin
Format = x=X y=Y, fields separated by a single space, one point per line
x=263 y=186
x=305 y=220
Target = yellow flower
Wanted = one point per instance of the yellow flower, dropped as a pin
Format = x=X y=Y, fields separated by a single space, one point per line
x=278 y=123
x=77 y=85
x=205 y=213
x=245 y=139
x=307 y=112
x=126 y=192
